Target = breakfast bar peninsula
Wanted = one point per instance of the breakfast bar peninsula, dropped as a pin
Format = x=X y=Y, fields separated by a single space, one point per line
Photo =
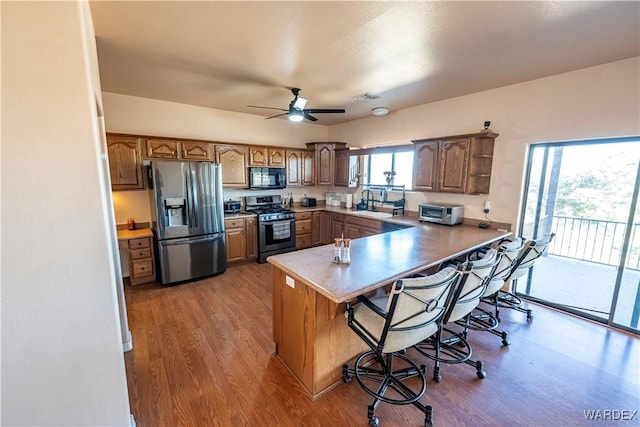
x=310 y=291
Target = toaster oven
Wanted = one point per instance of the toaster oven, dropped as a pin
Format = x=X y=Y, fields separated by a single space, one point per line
x=308 y=202
x=441 y=213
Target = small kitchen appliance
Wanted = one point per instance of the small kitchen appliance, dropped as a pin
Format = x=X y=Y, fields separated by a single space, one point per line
x=232 y=206
x=308 y=202
x=441 y=213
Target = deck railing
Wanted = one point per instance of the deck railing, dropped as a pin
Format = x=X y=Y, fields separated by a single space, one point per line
x=593 y=240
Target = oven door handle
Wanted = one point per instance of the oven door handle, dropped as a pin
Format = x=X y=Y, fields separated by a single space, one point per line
x=275 y=221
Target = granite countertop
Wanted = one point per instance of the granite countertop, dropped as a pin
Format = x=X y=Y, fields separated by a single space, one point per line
x=134 y=234
x=379 y=260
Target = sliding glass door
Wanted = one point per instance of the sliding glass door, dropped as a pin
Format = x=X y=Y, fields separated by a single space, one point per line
x=587 y=194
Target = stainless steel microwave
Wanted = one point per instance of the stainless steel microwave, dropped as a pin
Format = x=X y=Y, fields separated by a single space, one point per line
x=441 y=213
x=267 y=178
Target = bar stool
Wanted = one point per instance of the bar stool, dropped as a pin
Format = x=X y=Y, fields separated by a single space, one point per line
x=389 y=325
x=454 y=348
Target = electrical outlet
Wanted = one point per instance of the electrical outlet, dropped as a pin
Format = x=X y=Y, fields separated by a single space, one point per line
x=487 y=207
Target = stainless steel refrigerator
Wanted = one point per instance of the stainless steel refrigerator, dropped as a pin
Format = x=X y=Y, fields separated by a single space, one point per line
x=188 y=219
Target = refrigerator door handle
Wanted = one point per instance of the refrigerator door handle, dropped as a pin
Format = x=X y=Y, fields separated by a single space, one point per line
x=189 y=193
x=184 y=240
x=193 y=191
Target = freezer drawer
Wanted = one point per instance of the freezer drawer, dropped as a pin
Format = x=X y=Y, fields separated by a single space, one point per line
x=191 y=258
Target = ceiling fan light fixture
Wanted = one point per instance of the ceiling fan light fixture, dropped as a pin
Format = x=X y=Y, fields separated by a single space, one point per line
x=296 y=116
x=299 y=103
x=380 y=111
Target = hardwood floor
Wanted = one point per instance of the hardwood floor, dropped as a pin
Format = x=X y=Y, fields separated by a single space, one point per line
x=204 y=356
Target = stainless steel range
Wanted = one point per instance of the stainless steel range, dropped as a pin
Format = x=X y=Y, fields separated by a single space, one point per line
x=276 y=225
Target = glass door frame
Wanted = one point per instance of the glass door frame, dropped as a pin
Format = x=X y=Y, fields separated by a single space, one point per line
x=626 y=242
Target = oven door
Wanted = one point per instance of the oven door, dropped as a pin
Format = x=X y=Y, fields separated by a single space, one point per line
x=431 y=213
x=276 y=237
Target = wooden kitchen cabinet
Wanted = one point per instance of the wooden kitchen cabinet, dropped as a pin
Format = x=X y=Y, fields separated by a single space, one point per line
x=307 y=171
x=324 y=164
x=196 y=150
x=304 y=230
x=325 y=160
x=236 y=239
x=241 y=238
x=331 y=226
x=266 y=156
x=457 y=164
x=141 y=261
x=252 y=237
x=337 y=226
x=233 y=159
x=356 y=227
x=316 y=224
x=125 y=163
x=161 y=148
x=300 y=167
x=346 y=168
x=294 y=166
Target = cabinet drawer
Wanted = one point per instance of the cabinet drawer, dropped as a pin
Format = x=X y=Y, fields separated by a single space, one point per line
x=303 y=241
x=140 y=253
x=303 y=215
x=303 y=226
x=234 y=223
x=143 y=242
x=141 y=268
x=338 y=217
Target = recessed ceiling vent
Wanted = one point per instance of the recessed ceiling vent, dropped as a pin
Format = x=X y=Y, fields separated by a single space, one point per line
x=366 y=97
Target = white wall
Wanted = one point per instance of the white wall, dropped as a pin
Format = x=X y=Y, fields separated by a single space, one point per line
x=596 y=102
x=62 y=361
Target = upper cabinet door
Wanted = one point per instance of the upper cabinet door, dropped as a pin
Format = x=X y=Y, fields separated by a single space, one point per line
x=233 y=159
x=325 y=162
x=161 y=149
x=293 y=168
x=125 y=164
x=266 y=156
x=194 y=150
x=454 y=160
x=276 y=157
x=258 y=156
x=342 y=168
x=308 y=161
x=425 y=170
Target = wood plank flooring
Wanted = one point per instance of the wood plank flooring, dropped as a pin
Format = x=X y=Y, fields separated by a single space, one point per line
x=203 y=356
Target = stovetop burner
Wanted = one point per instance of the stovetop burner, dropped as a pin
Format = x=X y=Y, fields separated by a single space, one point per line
x=268 y=208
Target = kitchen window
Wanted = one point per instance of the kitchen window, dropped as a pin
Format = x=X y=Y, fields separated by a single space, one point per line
x=395 y=167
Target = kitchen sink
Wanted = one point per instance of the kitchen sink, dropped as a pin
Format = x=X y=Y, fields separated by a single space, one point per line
x=369 y=214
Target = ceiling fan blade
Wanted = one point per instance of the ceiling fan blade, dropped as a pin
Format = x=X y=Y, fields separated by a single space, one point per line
x=268 y=108
x=324 y=110
x=308 y=117
x=277 y=115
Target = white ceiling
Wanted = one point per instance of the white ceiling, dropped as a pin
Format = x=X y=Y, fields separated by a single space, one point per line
x=227 y=55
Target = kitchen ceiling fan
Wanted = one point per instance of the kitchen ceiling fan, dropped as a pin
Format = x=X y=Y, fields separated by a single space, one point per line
x=296 y=111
